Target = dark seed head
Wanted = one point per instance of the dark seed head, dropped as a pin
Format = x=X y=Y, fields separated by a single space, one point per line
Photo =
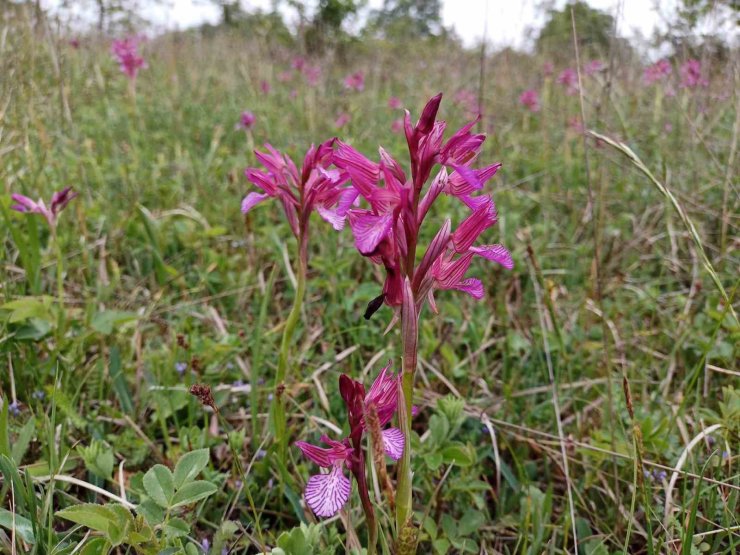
x=374 y=305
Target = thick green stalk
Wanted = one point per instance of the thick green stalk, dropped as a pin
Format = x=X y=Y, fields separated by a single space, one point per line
x=409 y=339
x=278 y=401
x=61 y=317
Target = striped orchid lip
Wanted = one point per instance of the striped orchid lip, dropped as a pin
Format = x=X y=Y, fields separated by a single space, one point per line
x=327 y=493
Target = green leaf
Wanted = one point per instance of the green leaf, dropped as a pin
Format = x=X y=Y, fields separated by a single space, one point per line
x=21 y=443
x=21 y=525
x=459 y=454
x=98 y=458
x=152 y=513
x=190 y=465
x=4 y=428
x=119 y=380
x=439 y=427
x=29 y=307
x=471 y=521
x=96 y=546
x=192 y=492
x=176 y=528
x=92 y=516
x=159 y=485
x=106 y=321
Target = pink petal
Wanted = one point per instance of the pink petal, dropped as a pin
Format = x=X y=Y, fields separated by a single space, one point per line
x=475 y=224
x=393 y=442
x=363 y=172
x=251 y=200
x=433 y=252
x=325 y=494
x=495 y=253
x=318 y=455
x=369 y=230
x=472 y=287
x=25 y=204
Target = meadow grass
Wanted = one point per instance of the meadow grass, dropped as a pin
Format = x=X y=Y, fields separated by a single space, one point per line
x=617 y=307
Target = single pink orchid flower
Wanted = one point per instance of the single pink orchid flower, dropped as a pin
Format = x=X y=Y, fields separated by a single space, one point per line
x=59 y=201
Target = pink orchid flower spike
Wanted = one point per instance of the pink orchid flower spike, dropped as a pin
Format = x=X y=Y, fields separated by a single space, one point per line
x=59 y=200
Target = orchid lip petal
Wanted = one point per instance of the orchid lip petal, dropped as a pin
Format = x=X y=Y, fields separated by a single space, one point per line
x=393 y=441
x=369 y=230
x=325 y=494
x=472 y=287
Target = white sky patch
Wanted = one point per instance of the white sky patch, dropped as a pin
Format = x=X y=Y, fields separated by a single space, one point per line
x=505 y=22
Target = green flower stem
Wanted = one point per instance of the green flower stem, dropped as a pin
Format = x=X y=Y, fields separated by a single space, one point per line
x=278 y=400
x=61 y=317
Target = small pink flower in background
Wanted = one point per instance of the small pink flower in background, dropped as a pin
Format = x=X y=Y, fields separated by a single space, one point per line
x=394 y=103
x=569 y=79
x=265 y=87
x=659 y=71
x=574 y=124
x=285 y=76
x=59 y=201
x=530 y=99
x=342 y=120
x=397 y=125
x=293 y=94
x=691 y=75
x=468 y=100
x=355 y=81
x=298 y=63
x=594 y=66
x=74 y=43
x=547 y=69
x=312 y=75
x=126 y=53
x=247 y=119
x=668 y=127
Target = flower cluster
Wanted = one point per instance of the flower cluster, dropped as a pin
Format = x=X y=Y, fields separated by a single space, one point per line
x=387 y=230
x=326 y=493
x=692 y=76
x=246 y=120
x=530 y=99
x=126 y=53
x=316 y=186
x=569 y=79
x=659 y=71
x=355 y=81
x=59 y=201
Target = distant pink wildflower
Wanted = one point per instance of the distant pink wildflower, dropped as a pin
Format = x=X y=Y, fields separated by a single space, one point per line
x=342 y=120
x=569 y=79
x=126 y=53
x=691 y=75
x=355 y=81
x=468 y=100
x=247 y=119
x=74 y=42
x=298 y=63
x=312 y=75
x=530 y=99
x=659 y=71
x=594 y=66
x=394 y=103
x=397 y=125
x=285 y=76
x=265 y=87
x=59 y=201
x=547 y=69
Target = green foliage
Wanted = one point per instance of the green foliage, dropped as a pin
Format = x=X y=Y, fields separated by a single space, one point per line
x=408 y=19
x=594 y=28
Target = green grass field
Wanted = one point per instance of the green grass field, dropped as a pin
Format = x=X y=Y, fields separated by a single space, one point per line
x=156 y=281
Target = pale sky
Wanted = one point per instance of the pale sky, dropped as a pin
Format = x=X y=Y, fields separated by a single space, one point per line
x=507 y=20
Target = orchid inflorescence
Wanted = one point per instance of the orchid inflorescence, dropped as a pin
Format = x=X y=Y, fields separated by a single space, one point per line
x=59 y=200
